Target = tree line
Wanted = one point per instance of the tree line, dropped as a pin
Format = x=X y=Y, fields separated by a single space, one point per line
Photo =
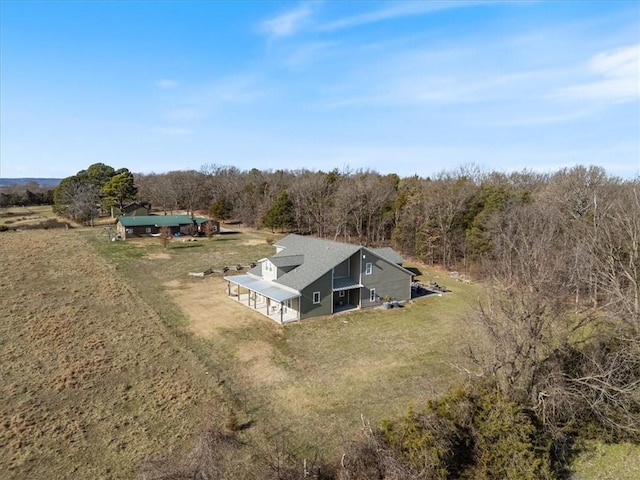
x=28 y=194
x=555 y=353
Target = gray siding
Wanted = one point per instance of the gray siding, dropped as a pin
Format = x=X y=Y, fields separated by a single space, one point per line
x=355 y=265
x=324 y=285
x=341 y=270
x=386 y=278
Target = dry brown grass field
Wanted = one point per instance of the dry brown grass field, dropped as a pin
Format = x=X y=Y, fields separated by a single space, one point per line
x=92 y=382
x=110 y=354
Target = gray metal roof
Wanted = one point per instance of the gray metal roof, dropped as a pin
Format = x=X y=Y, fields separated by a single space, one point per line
x=345 y=283
x=263 y=287
x=320 y=256
x=388 y=254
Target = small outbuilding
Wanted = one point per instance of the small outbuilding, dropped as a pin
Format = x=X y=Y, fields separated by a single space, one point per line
x=134 y=209
x=149 y=225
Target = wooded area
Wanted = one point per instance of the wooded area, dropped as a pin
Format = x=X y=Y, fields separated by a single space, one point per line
x=557 y=345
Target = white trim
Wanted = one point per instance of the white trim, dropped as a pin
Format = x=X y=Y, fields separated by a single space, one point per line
x=372 y=295
x=316 y=302
x=368 y=268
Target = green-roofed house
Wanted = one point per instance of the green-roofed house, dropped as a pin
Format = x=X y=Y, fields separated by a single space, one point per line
x=144 y=225
x=308 y=277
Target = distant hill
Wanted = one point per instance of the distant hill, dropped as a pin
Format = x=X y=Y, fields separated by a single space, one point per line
x=43 y=182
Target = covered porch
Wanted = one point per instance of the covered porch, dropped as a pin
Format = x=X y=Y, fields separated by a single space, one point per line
x=276 y=302
x=346 y=294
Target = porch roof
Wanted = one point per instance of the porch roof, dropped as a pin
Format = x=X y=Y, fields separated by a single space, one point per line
x=263 y=287
x=345 y=283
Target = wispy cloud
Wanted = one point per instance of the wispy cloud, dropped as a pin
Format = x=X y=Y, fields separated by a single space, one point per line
x=167 y=83
x=238 y=89
x=615 y=76
x=305 y=54
x=183 y=114
x=288 y=23
x=398 y=10
x=173 y=131
x=200 y=102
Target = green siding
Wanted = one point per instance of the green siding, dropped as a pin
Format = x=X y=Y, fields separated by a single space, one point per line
x=341 y=270
x=324 y=285
x=386 y=278
x=355 y=266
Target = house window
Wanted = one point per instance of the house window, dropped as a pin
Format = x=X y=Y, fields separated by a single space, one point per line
x=372 y=295
x=316 y=297
x=341 y=293
x=368 y=268
x=148 y=229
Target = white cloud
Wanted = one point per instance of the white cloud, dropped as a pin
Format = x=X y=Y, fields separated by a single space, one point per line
x=174 y=131
x=289 y=23
x=167 y=83
x=183 y=114
x=615 y=76
x=237 y=89
x=398 y=10
x=309 y=53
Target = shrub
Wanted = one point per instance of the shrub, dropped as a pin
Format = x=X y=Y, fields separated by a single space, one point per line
x=471 y=432
x=46 y=225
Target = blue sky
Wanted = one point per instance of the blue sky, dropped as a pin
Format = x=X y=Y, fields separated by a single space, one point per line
x=411 y=87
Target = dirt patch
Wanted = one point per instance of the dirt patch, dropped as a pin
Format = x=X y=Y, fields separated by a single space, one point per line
x=205 y=302
x=252 y=242
x=212 y=313
x=258 y=359
x=159 y=256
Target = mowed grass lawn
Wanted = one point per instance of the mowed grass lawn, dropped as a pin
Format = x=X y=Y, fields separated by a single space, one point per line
x=313 y=380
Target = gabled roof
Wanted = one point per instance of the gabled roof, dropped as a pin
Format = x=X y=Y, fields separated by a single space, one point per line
x=159 y=220
x=287 y=260
x=134 y=205
x=388 y=254
x=320 y=256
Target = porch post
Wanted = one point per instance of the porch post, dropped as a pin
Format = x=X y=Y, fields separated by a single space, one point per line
x=248 y=297
x=268 y=305
x=281 y=312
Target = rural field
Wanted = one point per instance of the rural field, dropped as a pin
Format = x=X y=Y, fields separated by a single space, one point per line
x=111 y=355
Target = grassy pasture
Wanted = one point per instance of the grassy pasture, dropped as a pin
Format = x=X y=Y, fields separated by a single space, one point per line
x=15 y=217
x=110 y=354
x=92 y=382
x=311 y=380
